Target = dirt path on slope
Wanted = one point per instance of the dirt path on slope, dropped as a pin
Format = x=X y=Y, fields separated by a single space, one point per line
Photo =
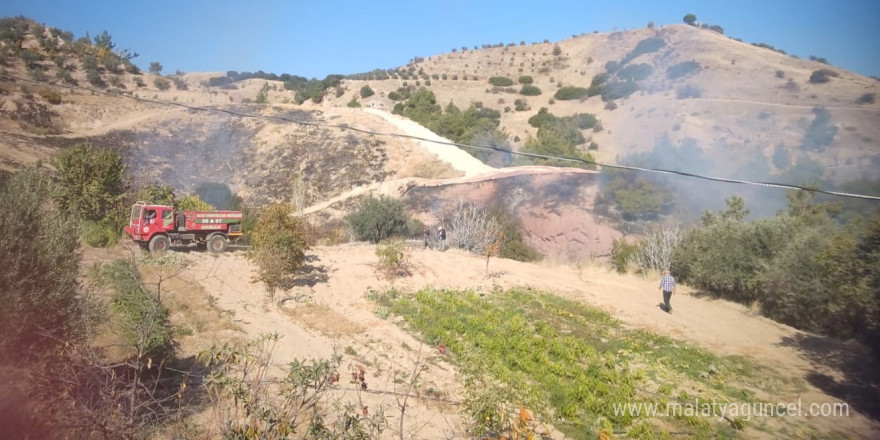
x=338 y=315
x=458 y=158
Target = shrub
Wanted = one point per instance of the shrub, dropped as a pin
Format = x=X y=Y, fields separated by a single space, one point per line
x=867 y=98
x=378 y=219
x=91 y=182
x=94 y=78
x=822 y=76
x=500 y=81
x=635 y=72
x=144 y=320
x=819 y=59
x=688 y=91
x=618 y=90
x=103 y=233
x=525 y=79
x=193 y=202
x=354 y=102
x=155 y=68
x=622 y=254
x=472 y=228
x=366 y=91
x=780 y=74
x=530 y=90
x=395 y=96
x=682 y=69
x=557 y=50
x=690 y=19
x=162 y=84
x=569 y=92
x=51 y=96
x=716 y=28
x=279 y=243
x=42 y=308
x=393 y=258
x=179 y=83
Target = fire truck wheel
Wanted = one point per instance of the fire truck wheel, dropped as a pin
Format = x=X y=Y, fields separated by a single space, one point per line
x=159 y=243
x=217 y=243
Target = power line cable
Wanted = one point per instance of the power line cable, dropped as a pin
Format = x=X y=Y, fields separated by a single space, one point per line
x=455 y=144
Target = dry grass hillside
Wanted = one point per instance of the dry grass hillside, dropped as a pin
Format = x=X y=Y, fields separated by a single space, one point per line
x=739 y=108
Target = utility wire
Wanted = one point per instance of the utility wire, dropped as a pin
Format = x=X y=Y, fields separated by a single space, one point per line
x=455 y=144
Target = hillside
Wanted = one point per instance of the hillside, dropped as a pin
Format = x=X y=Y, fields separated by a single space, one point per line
x=674 y=97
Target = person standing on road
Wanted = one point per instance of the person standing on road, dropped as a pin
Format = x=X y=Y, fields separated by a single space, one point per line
x=441 y=234
x=667 y=286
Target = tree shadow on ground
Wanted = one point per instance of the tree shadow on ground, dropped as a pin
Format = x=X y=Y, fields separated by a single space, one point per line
x=859 y=368
x=310 y=274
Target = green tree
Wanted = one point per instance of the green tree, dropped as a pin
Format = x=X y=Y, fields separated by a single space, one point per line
x=156 y=195
x=42 y=302
x=366 y=91
x=690 y=19
x=155 y=68
x=193 y=203
x=279 y=243
x=378 y=219
x=91 y=182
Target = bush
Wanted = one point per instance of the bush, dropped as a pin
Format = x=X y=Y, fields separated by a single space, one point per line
x=682 y=69
x=279 y=243
x=823 y=76
x=500 y=81
x=42 y=306
x=143 y=319
x=622 y=254
x=530 y=90
x=378 y=219
x=91 y=182
x=569 y=92
x=688 y=91
x=867 y=98
x=179 y=83
x=103 y=233
x=366 y=91
x=94 y=78
x=635 y=72
x=162 y=84
x=394 y=96
x=525 y=80
x=393 y=258
x=618 y=90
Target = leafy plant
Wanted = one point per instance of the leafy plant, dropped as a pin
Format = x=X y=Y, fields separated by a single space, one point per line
x=378 y=219
x=570 y=92
x=279 y=243
x=500 y=81
x=91 y=182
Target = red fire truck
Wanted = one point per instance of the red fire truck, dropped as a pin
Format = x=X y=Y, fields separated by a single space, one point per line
x=158 y=227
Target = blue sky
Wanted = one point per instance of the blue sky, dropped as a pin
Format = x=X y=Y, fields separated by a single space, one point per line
x=314 y=39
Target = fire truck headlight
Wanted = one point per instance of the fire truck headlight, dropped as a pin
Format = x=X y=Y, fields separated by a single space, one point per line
x=146 y=229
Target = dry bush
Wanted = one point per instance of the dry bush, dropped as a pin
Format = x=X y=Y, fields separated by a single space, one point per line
x=472 y=228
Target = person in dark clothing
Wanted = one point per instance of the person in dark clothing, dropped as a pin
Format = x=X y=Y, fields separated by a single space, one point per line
x=441 y=234
x=427 y=234
x=180 y=221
